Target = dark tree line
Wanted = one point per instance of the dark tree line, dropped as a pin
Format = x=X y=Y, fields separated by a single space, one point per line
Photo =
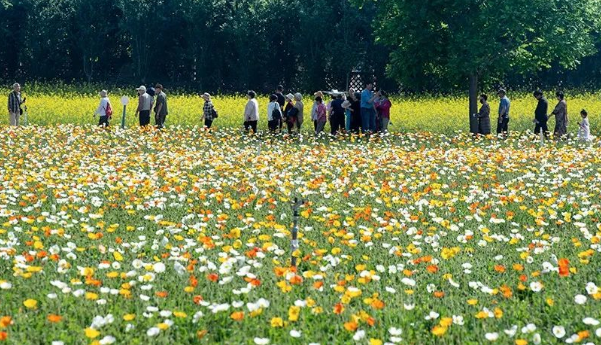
x=233 y=45
x=218 y=45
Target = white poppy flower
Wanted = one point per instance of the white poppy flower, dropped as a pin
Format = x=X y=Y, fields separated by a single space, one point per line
x=158 y=267
x=152 y=332
x=107 y=340
x=395 y=331
x=559 y=331
x=590 y=321
x=491 y=336
x=580 y=299
x=360 y=334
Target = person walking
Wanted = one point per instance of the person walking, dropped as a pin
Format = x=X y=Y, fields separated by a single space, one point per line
x=290 y=113
x=483 y=116
x=504 y=107
x=208 y=111
x=274 y=114
x=104 y=110
x=160 y=109
x=383 y=107
x=314 y=109
x=251 y=112
x=561 y=116
x=14 y=105
x=337 y=115
x=346 y=105
x=279 y=92
x=584 y=131
x=144 y=106
x=368 y=112
x=540 y=114
x=322 y=115
x=300 y=107
x=356 y=112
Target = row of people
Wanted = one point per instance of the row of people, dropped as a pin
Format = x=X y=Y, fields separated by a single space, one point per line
x=367 y=111
x=541 y=116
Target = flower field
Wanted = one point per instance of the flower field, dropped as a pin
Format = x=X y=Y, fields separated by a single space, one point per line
x=431 y=114
x=183 y=237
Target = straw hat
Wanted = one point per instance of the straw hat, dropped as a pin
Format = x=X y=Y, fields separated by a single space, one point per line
x=290 y=96
x=103 y=93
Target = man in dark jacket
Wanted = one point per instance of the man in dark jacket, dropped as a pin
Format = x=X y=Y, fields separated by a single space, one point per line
x=14 y=105
x=540 y=114
x=337 y=115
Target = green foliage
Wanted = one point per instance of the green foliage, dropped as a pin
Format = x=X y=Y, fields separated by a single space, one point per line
x=204 y=45
x=446 y=41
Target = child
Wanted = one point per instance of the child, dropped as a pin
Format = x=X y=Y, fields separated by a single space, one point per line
x=584 y=133
x=321 y=115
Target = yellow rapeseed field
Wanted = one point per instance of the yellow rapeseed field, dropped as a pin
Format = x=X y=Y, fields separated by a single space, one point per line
x=415 y=114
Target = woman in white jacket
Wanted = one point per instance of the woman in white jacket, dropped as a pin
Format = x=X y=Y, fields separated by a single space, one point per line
x=251 y=112
x=104 y=109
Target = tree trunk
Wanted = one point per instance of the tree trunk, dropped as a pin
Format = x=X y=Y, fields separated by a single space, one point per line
x=473 y=103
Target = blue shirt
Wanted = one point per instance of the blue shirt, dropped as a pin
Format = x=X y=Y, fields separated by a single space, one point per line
x=505 y=104
x=366 y=96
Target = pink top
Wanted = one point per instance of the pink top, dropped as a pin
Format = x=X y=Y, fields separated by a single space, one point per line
x=321 y=113
x=384 y=108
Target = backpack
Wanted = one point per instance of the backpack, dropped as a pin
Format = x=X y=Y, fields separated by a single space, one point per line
x=293 y=112
x=214 y=113
x=276 y=114
x=108 y=110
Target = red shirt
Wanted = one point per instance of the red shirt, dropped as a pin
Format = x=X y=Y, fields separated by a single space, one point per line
x=384 y=108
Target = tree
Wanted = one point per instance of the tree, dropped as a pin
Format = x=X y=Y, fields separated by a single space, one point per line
x=474 y=40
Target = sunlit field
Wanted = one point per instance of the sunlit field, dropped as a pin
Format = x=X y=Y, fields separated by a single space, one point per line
x=183 y=237
x=445 y=115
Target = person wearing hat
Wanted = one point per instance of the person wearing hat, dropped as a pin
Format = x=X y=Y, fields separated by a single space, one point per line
x=322 y=115
x=208 y=110
x=289 y=112
x=540 y=114
x=144 y=106
x=504 y=106
x=104 y=109
x=160 y=110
